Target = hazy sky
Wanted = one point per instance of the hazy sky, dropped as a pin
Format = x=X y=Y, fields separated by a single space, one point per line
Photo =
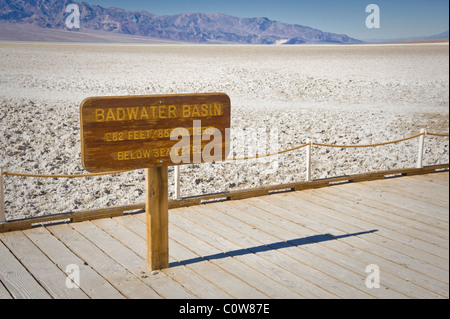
x=398 y=18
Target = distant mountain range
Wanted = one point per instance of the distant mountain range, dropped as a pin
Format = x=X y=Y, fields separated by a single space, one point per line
x=185 y=27
x=440 y=36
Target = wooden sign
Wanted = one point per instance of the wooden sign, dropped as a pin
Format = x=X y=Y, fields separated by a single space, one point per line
x=132 y=132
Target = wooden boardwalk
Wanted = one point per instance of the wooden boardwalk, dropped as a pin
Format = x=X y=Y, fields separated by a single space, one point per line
x=313 y=243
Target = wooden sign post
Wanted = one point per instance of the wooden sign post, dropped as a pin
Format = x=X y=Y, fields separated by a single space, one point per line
x=157 y=217
x=154 y=132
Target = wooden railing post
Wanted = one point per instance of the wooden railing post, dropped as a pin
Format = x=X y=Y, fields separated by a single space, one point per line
x=421 y=148
x=177 y=181
x=2 y=198
x=157 y=217
x=308 y=160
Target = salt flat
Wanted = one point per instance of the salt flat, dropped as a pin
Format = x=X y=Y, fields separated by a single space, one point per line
x=331 y=94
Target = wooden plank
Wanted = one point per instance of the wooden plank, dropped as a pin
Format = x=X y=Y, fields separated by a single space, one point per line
x=133 y=132
x=202 y=285
x=4 y=294
x=117 y=228
x=136 y=224
x=227 y=282
x=28 y=223
x=420 y=286
x=437 y=182
x=192 y=281
x=133 y=224
x=223 y=245
x=404 y=221
x=332 y=247
x=244 y=234
x=355 y=196
x=416 y=190
x=157 y=211
x=251 y=268
x=91 y=283
x=409 y=203
x=393 y=240
x=194 y=252
x=305 y=214
x=124 y=281
x=16 y=278
x=159 y=282
x=223 y=277
x=391 y=204
x=395 y=226
x=391 y=208
x=389 y=249
x=339 y=266
x=306 y=264
x=440 y=179
x=43 y=269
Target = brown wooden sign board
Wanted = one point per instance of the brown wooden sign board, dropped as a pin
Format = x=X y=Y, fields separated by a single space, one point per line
x=133 y=132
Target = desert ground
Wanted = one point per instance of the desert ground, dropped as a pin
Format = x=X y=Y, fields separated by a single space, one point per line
x=281 y=96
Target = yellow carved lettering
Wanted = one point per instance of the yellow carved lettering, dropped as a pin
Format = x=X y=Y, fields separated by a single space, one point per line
x=186 y=111
x=217 y=109
x=144 y=114
x=153 y=108
x=99 y=115
x=162 y=112
x=195 y=111
x=110 y=115
x=204 y=109
x=132 y=112
x=172 y=113
x=120 y=114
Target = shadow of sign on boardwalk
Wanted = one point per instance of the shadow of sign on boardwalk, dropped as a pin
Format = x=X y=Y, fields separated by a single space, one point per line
x=274 y=246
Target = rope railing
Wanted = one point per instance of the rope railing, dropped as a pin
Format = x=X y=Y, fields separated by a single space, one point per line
x=370 y=145
x=438 y=134
x=266 y=155
x=177 y=175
